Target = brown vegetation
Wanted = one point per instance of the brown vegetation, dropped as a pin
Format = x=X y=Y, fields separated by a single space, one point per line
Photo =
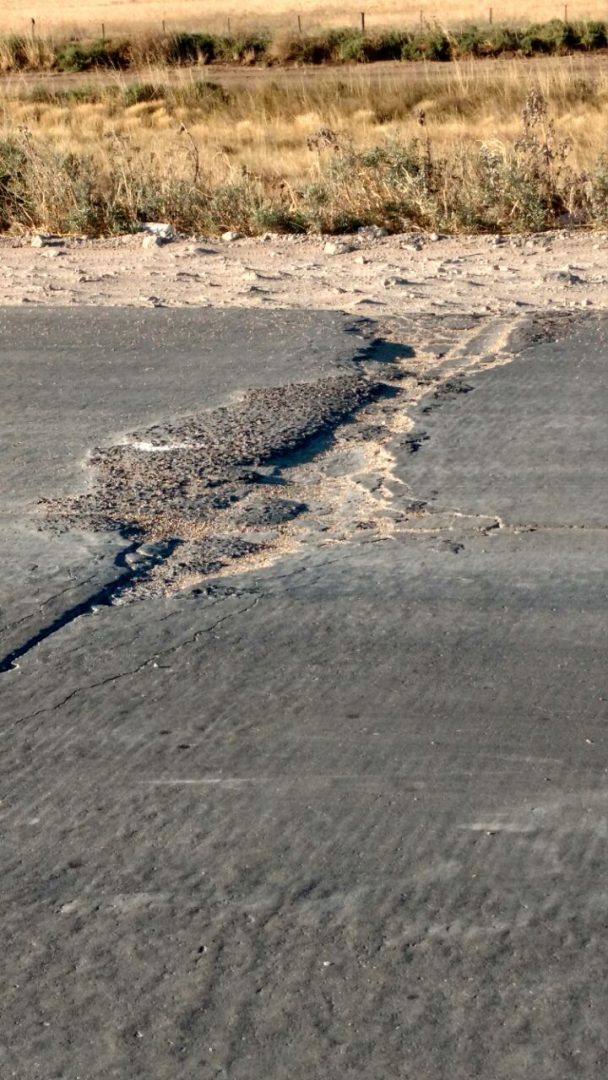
x=330 y=154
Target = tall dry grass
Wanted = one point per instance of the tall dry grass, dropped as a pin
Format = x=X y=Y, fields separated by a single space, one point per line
x=461 y=152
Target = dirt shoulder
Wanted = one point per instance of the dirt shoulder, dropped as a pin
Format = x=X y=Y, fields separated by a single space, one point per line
x=364 y=275
x=593 y=64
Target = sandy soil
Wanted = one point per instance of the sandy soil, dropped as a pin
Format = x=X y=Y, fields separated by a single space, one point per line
x=397 y=275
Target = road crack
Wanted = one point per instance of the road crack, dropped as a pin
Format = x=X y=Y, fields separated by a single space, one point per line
x=151 y=661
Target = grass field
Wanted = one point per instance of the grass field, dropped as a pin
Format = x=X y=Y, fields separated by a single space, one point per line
x=466 y=149
x=126 y=16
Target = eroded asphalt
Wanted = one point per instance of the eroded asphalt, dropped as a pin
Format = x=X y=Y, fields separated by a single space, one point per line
x=304 y=696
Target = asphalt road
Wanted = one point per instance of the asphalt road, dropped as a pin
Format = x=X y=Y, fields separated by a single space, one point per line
x=339 y=812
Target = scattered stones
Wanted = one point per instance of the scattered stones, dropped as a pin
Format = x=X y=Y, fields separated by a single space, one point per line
x=230 y=236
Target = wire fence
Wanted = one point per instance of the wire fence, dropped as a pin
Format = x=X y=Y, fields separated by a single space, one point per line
x=364 y=22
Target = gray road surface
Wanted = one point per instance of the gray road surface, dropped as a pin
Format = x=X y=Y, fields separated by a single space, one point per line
x=341 y=813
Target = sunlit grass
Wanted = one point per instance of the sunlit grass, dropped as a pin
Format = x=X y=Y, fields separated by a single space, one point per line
x=443 y=151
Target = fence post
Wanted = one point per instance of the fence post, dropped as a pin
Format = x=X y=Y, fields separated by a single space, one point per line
x=362 y=22
x=228 y=25
x=421 y=17
x=33 y=28
x=299 y=24
x=164 y=27
x=103 y=33
x=491 y=18
x=565 y=13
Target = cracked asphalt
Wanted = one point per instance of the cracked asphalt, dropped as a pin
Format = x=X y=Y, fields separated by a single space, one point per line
x=330 y=803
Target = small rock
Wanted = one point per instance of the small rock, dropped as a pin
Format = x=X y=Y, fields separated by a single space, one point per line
x=152 y=241
x=362 y=259
x=136 y=559
x=566 y=276
x=337 y=247
x=435 y=236
x=230 y=236
x=394 y=280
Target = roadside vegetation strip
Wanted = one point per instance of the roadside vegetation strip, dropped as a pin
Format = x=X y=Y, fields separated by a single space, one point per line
x=431 y=42
x=466 y=155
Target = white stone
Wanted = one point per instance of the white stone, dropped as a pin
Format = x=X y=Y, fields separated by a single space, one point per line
x=230 y=236
x=159 y=228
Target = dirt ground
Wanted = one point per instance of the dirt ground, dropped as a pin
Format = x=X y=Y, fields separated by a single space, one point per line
x=363 y=274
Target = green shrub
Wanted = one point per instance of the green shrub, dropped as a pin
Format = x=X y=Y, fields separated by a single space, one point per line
x=432 y=44
x=77 y=56
x=191 y=48
x=503 y=39
x=138 y=92
x=248 y=47
x=593 y=35
x=352 y=47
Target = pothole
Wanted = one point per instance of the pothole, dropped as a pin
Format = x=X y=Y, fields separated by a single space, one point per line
x=217 y=488
x=243 y=485
x=282 y=469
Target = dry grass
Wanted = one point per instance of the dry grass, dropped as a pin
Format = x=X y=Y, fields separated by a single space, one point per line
x=437 y=151
x=120 y=16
